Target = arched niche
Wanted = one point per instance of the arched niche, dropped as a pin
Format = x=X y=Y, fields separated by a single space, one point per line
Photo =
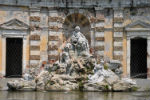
x=76 y=19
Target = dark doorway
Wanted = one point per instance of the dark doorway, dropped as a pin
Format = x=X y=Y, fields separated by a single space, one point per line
x=14 y=57
x=138 y=58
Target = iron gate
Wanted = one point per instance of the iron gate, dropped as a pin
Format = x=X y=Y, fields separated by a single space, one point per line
x=14 y=57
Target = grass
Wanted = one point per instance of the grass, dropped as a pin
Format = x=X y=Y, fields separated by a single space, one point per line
x=105 y=67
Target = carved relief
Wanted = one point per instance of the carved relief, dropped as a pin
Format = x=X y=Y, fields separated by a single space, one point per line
x=54 y=28
x=56 y=19
x=100 y=19
x=55 y=57
x=118 y=29
x=118 y=48
x=99 y=29
x=34 y=47
x=118 y=57
x=92 y=19
x=53 y=38
x=99 y=48
x=99 y=38
x=118 y=19
x=118 y=39
x=34 y=37
x=35 y=18
x=34 y=57
x=55 y=47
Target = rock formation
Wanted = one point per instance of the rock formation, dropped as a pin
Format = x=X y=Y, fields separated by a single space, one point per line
x=77 y=69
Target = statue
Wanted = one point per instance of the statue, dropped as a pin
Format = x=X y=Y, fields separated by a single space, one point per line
x=79 y=42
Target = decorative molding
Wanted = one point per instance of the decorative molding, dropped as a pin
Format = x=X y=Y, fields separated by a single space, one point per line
x=35 y=37
x=53 y=38
x=14 y=24
x=55 y=47
x=118 y=39
x=34 y=57
x=118 y=29
x=56 y=19
x=53 y=57
x=118 y=20
x=138 y=26
x=100 y=19
x=99 y=38
x=118 y=57
x=99 y=48
x=144 y=34
x=118 y=48
x=34 y=47
x=99 y=29
x=35 y=18
x=54 y=28
x=92 y=19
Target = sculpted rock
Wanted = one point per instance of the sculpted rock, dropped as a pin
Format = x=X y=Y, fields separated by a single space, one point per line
x=21 y=85
x=42 y=79
x=124 y=84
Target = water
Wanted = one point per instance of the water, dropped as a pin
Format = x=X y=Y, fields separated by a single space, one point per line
x=10 y=95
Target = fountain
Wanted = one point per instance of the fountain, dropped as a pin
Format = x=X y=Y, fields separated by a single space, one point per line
x=76 y=69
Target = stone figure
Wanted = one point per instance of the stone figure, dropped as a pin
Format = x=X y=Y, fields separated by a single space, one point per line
x=79 y=42
x=75 y=70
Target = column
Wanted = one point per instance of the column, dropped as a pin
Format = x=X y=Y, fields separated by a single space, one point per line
x=35 y=36
x=55 y=35
x=108 y=34
x=148 y=57
x=128 y=57
x=4 y=55
x=44 y=35
x=0 y=53
x=99 y=32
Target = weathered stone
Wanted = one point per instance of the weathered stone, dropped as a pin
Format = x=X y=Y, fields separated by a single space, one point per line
x=124 y=85
x=76 y=69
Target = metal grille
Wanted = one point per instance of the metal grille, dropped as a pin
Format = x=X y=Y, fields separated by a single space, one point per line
x=138 y=58
x=13 y=57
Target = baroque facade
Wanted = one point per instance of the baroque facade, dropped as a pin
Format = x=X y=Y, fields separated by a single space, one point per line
x=114 y=29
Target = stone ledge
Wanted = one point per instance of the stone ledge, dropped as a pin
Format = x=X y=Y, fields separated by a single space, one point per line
x=118 y=19
x=99 y=29
x=118 y=48
x=53 y=57
x=53 y=38
x=118 y=39
x=118 y=29
x=55 y=19
x=118 y=57
x=34 y=57
x=55 y=47
x=99 y=38
x=35 y=18
x=54 y=28
x=34 y=47
x=99 y=48
x=35 y=37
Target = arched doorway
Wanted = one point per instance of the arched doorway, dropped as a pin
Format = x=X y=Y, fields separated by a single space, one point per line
x=138 y=58
x=74 y=20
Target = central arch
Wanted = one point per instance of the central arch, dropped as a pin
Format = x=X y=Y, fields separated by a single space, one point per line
x=76 y=19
